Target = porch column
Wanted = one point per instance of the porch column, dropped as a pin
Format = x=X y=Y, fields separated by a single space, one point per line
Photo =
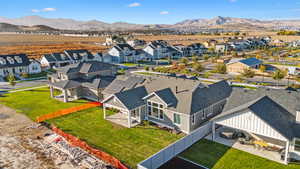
x=213 y=130
x=140 y=114
x=104 y=112
x=51 y=92
x=129 y=119
x=65 y=96
x=287 y=146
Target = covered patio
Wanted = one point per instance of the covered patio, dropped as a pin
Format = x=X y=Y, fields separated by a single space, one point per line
x=266 y=141
x=252 y=149
x=124 y=117
x=68 y=88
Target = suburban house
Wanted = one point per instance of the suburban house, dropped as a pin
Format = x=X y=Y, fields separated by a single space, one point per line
x=195 y=49
x=67 y=57
x=238 y=65
x=120 y=53
x=222 y=47
x=170 y=102
x=160 y=49
x=82 y=80
x=18 y=64
x=210 y=43
x=136 y=42
x=269 y=115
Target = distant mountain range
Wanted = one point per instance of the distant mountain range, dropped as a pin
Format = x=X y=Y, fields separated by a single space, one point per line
x=226 y=23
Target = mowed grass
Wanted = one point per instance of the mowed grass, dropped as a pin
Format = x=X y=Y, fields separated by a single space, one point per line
x=131 y=146
x=218 y=156
x=36 y=102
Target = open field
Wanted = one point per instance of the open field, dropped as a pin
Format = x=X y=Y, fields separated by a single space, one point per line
x=131 y=146
x=21 y=39
x=37 y=45
x=36 y=51
x=217 y=156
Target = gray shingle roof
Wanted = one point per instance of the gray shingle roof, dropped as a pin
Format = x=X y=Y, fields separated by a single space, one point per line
x=132 y=98
x=66 y=84
x=188 y=98
x=78 y=53
x=16 y=60
x=86 y=67
x=275 y=107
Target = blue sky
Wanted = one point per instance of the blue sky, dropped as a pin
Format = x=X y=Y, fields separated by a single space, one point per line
x=151 y=11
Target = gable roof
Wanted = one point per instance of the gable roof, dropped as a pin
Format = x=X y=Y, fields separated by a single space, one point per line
x=15 y=60
x=132 y=98
x=79 y=54
x=123 y=46
x=248 y=61
x=86 y=67
x=181 y=95
x=270 y=112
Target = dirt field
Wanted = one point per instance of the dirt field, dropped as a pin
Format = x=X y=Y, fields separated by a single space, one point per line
x=36 y=51
x=20 y=147
x=37 y=45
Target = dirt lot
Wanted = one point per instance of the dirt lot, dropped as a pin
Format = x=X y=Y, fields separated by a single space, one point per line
x=37 y=45
x=20 y=147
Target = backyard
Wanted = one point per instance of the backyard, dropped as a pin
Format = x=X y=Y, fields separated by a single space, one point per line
x=216 y=156
x=131 y=146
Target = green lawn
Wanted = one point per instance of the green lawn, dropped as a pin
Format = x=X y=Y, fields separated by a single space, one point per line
x=217 y=156
x=131 y=146
x=36 y=102
x=130 y=64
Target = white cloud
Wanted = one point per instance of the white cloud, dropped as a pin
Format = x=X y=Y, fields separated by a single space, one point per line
x=135 y=4
x=49 y=9
x=35 y=10
x=164 y=13
x=232 y=0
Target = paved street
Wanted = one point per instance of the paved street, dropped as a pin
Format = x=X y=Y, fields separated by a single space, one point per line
x=25 y=84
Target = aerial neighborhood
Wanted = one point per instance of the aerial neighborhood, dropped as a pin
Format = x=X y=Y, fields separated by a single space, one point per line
x=218 y=93
x=224 y=91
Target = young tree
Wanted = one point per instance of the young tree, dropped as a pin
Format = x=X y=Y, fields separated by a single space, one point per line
x=221 y=68
x=147 y=68
x=25 y=75
x=195 y=59
x=263 y=69
x=184 y=60
x=248 y=73
x=278 y=75
x=11 y=80
x=198 y=67
x=206 y=57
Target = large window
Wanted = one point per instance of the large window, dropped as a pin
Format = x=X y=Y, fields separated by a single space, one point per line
x=297 y=145
x=155 y=110
x=177 y=119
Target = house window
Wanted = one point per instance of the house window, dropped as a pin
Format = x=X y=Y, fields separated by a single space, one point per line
x=193 y=119
x=177 y=119
x=155 y=110
x=297 y=145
